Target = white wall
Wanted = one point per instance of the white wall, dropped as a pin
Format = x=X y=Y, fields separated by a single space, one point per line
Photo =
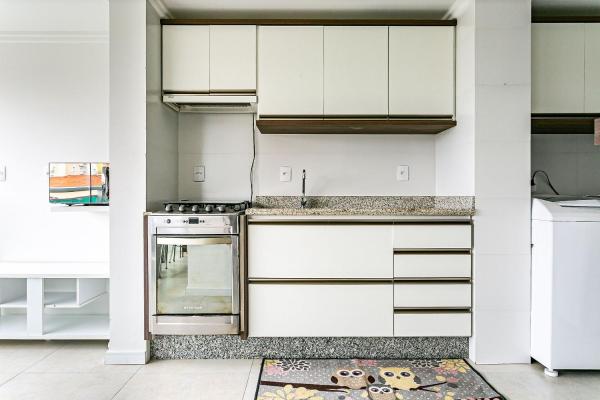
x=335 y=164
x=502 y=165
x=572 y=161
x=53 y=107
x=455 y=148
x=161 y=124
x=128 y=181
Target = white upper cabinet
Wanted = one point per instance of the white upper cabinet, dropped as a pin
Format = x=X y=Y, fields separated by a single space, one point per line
x=592 y=68
x=233 y=58
x=290 y=70
x=421 y=70
x=356 y=70
x=557 y=61
x=185 y=65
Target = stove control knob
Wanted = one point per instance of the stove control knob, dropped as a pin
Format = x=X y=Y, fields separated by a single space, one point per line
x=195 y=208
x=182 y=208
x=169 y=208
x=236 y=207
x=208 y=208
x=168 y=221
x=221 y=208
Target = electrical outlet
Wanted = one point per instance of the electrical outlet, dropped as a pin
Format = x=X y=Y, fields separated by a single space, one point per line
x=2 y=173
x=402 y=173
x=198 y=173
x=285 y=174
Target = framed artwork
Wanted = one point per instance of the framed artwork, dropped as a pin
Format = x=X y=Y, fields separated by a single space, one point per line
x=79 y=183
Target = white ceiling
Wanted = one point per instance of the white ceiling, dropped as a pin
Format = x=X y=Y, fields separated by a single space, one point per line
x=348 y=8
x=308 y=8
x=566 y=7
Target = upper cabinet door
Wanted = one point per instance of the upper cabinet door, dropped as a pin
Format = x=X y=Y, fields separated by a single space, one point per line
x=557 y=76
x=185 y=58
x=356 y=70
x=421 y=70
x=290 y=70
x=233 y=58
x=592 y=68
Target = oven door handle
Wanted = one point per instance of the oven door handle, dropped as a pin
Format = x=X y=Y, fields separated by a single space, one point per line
x=193 y=241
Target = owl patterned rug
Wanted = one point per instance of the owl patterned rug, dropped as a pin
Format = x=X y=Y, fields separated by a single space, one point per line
x=335 y=379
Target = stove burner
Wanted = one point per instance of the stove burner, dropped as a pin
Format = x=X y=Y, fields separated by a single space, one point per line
x=198 y=207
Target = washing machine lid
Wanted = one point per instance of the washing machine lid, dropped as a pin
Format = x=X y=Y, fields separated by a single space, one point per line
x=566 y=209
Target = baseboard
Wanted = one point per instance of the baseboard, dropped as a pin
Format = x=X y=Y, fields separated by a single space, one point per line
x=126 y=357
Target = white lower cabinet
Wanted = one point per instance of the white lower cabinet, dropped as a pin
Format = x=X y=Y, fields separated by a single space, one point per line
x=432 y=324
x=278 y=309
x=432 y=236
x=432 y=295
x=329 y=251
x=432 y=266
x=340 y=279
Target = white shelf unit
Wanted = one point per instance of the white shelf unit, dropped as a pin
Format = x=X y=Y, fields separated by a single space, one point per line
x=54 y=301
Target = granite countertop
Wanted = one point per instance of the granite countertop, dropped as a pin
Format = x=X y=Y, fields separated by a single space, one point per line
x=447 y=206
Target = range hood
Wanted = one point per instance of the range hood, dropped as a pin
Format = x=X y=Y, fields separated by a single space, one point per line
x=211 y=103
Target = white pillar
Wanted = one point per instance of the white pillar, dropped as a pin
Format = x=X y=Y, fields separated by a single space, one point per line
x=127 y=147
x=502 y=167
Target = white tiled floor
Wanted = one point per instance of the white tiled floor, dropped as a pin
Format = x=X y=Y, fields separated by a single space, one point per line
x=75 y=370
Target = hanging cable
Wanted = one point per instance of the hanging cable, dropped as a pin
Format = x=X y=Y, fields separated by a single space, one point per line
x=539 y=171
x=253 y=157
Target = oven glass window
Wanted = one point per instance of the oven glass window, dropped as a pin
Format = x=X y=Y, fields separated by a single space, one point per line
x=195 y=275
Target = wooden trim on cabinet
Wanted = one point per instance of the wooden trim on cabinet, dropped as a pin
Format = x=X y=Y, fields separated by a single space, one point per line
x=320 y=281
x=437 y=252
x=566 y=19
x=354 y=126
x=351 y=221
x=563 y=123
x=434 y=280
x=305 y=21
x=432 y=310
x=243 y=277
x=147 y=335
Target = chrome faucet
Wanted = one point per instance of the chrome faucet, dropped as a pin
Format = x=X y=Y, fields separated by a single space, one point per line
x=303 y=200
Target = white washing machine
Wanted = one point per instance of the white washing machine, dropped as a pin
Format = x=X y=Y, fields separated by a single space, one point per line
x=565 y=293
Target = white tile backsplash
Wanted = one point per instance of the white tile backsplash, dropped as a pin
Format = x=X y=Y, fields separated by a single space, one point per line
x=347 y=174
x=215 y=133
x=571 y=161
x=335 y=164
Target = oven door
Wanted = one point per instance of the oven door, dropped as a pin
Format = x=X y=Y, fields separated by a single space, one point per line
x=195 y=283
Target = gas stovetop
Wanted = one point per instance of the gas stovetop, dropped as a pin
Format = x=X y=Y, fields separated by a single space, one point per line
x=204 y=207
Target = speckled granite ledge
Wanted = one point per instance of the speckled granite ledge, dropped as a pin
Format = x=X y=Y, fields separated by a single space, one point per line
x=365 y=205
x=226 y=346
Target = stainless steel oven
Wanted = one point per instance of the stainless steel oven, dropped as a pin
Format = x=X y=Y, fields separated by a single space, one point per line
x=193 y=274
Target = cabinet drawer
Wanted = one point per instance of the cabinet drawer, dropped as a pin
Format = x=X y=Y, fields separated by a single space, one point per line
x=435 y=295
x=415 y=266
x=320 y=309
x=319 y=251
x=432 y=236
x=432 y=324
